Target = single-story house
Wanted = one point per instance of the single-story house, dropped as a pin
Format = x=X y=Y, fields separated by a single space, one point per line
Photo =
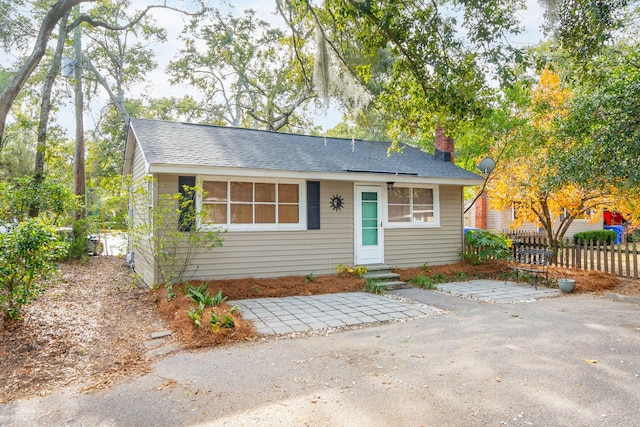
x=296 y=204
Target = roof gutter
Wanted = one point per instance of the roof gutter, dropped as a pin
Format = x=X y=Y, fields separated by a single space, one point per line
x=381 y=177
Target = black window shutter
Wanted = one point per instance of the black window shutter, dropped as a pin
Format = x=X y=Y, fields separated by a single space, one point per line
x=313 y=205
x=187 y=221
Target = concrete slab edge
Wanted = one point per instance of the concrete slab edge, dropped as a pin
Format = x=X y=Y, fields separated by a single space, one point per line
x=623 y=298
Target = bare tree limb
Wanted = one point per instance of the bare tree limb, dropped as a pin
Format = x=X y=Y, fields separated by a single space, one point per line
x=117 y=101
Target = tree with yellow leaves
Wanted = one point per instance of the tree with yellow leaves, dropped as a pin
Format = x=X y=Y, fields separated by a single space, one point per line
x=525 y=181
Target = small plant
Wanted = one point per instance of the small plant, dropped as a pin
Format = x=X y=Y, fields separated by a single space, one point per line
x=200 y=295
x=195 y=314
x=439 y=278
x=218 y=299
x=425 y=267
x=461 y=275
x=357 y=271
x=235 y=309
x=227 y=321
x=373 y=286
x=308 y=278
x=224 y=320
x=423 y=282
x=215 y=322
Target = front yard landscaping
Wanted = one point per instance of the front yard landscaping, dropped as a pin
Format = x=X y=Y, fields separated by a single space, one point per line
x=90 y=327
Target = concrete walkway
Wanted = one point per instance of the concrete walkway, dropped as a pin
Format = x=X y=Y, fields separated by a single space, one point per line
x=278 y=316
x=498 y=291
x=306 y=313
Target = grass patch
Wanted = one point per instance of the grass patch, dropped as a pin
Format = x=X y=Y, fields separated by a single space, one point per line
x=374 y=287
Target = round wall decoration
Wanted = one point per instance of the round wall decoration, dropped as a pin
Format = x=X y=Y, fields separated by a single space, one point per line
x=337 y=202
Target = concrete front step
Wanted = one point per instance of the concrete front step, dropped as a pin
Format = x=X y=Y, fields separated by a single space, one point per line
x=380 y=275
x=378 y=267
x=395 y=284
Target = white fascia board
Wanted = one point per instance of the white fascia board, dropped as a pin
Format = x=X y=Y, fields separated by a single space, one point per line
x=129 y=152
x=328 y=176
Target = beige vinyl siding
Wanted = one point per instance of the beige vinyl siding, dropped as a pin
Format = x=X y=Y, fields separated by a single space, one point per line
x=143 y=256
x=580 y=225
x=412 y=247
x=279 y=253
x=503 y=223
x=470 y=216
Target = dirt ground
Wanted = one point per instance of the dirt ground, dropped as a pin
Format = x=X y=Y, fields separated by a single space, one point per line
x=90 y=328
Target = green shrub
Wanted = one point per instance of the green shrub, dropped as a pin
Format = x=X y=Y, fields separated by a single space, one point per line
x=595 y=236
x=28 y=255
x=51 y=200
x=483 y=245
x=78 y=247
x=169 y=234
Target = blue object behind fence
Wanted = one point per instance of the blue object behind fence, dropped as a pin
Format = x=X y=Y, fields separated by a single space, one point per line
x=619 y=229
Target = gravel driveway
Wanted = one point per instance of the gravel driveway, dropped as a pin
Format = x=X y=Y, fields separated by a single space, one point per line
x=572 y=360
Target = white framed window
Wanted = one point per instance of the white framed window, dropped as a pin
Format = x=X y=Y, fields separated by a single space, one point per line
x=412 y=207
x=248 y=204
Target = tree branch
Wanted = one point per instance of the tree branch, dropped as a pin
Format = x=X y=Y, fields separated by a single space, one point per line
x=117 y=101
x=95 y=23
x=57 y=11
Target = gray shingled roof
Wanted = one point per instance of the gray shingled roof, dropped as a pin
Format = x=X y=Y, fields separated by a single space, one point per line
x=174 y=143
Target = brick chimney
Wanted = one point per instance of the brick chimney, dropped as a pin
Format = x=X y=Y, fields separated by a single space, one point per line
x=444 y=146
x=481 y=211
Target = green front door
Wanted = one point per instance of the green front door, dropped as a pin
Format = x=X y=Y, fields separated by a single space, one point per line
x=369 y=248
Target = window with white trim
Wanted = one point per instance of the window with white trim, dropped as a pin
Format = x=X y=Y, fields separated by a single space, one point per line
x=412 y=207
x=247 y=204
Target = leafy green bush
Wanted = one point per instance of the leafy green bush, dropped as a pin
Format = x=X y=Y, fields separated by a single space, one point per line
x=483 y=245
x=78 y=247
x=52 y=200
x=28 y=255
x=167 y=234
x=595 y=236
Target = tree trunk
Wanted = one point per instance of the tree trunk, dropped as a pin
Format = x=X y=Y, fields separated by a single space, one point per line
x=57 y=11
x=45 y=110
x=79 y=169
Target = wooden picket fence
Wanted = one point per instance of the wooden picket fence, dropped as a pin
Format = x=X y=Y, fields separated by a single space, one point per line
x=622 y=259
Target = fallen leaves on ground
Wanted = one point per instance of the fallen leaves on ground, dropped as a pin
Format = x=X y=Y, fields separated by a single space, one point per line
x=86 y=331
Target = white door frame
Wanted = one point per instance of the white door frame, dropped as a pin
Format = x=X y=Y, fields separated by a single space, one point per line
x=368 y=254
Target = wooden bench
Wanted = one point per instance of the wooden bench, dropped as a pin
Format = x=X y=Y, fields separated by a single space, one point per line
x=534 y=261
